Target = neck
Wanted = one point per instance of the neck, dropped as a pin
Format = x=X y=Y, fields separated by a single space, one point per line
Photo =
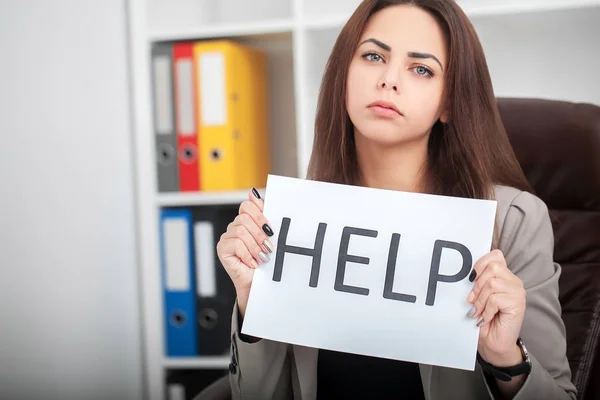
x=402 y=167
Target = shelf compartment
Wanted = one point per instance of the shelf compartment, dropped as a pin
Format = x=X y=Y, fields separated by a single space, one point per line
x=316 y=8
x=191 y=15
x=281 y=104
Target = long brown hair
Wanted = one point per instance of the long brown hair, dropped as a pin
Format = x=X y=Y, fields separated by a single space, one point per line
x=467 y=156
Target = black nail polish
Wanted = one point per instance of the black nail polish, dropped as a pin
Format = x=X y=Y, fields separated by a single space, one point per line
x=267 y=230
x=255 y=193
x=472 y=276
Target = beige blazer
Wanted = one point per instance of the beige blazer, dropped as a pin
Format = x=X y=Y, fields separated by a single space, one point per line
x=273 y=370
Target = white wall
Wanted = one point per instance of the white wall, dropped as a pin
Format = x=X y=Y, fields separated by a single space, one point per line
x=551 y=54
x=69 y=324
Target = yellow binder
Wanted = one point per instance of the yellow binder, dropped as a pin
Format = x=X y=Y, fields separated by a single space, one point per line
x=232 y=116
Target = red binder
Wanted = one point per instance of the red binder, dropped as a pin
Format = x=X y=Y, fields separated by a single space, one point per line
x=184 y=75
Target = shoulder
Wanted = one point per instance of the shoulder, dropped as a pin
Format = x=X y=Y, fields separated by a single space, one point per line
x=515 y=206
x=524 y=230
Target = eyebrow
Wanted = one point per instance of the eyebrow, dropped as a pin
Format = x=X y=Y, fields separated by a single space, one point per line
x=415 y=54
x=412 y=54
x=378 y=43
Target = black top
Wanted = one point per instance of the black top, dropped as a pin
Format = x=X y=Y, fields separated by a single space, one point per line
x=351 y=376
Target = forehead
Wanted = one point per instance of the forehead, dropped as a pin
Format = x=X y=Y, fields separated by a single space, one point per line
x=407 y=28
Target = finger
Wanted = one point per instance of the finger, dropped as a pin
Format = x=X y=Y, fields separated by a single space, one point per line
x=254 y=197
x=493 y=305
x=482 y=264
x=242 y=228
x=236 y=246
x=492 y=271
x=249 y=207
x=492 y=286
x=248 y=217
x=258 y=235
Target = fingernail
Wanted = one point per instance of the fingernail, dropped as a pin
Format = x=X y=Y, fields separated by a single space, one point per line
x=480 y=322
x=471 y=297
x=471 y=312
x=267 y=229
x=254 y=264
x=267 y=244
x=263 y=257
x=472 y=276
x=255 y=193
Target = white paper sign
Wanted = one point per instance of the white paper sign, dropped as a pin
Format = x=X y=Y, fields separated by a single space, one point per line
x=388 y=278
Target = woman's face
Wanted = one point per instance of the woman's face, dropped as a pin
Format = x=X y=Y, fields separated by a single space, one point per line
x=400 y=61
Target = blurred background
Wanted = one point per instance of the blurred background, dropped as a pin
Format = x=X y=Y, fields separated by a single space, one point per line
x=113 y=198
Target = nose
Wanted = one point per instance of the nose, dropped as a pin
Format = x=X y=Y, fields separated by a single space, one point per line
x=394 y=87
x=389 y=81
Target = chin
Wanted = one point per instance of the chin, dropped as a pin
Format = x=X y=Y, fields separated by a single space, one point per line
x=384 y=135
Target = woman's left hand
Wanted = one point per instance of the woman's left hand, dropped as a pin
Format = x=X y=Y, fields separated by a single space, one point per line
x=498 y=298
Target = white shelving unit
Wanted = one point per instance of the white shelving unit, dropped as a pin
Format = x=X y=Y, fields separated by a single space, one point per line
x=197 y=362
x=534 y=48
x=199 y=198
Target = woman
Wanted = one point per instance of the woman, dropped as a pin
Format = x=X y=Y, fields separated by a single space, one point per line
x=407 y=103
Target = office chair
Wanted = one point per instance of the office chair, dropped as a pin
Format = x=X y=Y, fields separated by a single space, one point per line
x=557 y=144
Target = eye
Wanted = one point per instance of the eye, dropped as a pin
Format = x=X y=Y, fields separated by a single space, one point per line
x=423 y=71
x=375 y=57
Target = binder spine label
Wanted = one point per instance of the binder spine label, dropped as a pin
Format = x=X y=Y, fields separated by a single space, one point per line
x=206 y=283
x=177 y=277
x=162 y=95
x=213 y=99
x=185 y=94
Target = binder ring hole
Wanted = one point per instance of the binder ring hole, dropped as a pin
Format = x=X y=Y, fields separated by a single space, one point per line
x=178 y=318
x=166 y=154
x=188 y=153
x=216 y=154
x=208 y=318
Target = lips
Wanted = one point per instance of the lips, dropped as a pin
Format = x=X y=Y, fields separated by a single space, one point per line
x=386 y=105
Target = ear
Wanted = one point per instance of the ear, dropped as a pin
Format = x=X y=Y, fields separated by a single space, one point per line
x=445 y=117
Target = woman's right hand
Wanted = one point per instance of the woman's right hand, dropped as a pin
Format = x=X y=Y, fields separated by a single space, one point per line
x=245 y=245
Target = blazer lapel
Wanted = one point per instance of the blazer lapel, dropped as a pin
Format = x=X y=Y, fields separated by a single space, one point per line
x=305 y=359
x=427 y=372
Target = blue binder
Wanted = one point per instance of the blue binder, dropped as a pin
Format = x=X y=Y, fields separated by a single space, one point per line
x=177 y=267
